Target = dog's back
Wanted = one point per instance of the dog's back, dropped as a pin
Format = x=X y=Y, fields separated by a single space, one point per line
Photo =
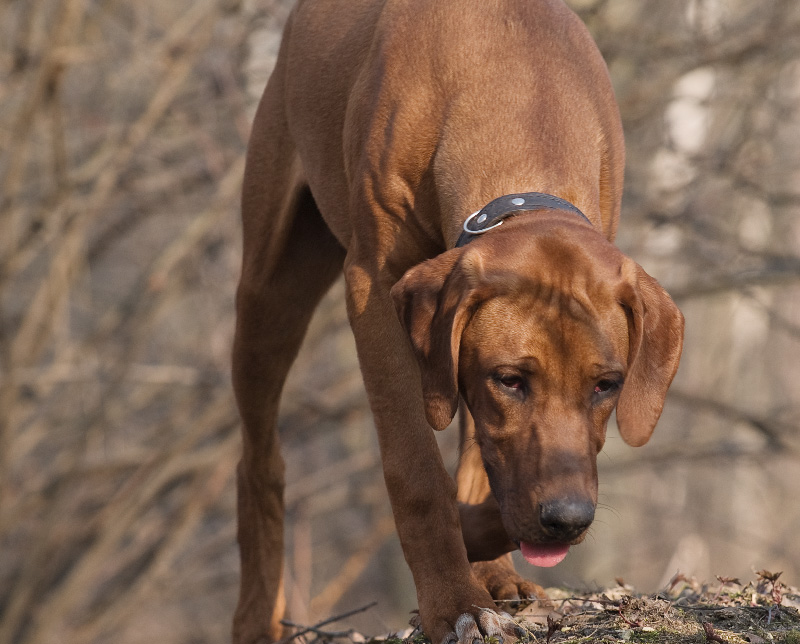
x=513 y=74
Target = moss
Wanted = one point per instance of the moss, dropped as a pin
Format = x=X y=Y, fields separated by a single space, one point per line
x=791 y=637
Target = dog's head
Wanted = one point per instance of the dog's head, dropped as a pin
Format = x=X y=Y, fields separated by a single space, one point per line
x=543 y=335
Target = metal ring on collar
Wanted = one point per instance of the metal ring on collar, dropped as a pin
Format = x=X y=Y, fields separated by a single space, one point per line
x=468 y=230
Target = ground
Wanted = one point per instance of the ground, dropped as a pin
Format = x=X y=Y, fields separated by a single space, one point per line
x=728 y=611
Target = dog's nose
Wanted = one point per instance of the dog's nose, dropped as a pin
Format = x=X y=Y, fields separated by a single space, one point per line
x=566 y=519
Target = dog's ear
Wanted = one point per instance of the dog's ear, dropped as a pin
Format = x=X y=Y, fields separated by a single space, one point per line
x=655 y=342
x=434 y=301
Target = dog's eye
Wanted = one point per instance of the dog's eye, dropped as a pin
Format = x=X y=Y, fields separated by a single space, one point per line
x=605 y=386
x=515 y=383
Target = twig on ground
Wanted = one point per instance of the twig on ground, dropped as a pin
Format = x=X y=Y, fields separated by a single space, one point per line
x=329 y=620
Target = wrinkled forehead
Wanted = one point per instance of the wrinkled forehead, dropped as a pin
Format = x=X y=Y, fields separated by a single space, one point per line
x=548 y=322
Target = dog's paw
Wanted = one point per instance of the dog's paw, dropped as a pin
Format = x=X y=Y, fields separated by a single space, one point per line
x=489 y=626
x=463 y=613
x=503 y=582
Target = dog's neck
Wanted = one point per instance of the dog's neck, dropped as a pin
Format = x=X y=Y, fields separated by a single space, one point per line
x=493 y=213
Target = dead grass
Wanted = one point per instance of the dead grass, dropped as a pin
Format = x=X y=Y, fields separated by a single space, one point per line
x=730 y=612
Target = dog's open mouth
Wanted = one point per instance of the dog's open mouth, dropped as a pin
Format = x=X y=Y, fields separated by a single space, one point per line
x=544 y=555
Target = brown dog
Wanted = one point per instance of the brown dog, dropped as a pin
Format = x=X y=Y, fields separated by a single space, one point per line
x=384 y=125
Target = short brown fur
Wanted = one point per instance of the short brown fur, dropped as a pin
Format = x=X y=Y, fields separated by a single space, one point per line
x=384 y=124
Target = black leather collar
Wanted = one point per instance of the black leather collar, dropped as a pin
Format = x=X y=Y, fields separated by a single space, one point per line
x=493 y=213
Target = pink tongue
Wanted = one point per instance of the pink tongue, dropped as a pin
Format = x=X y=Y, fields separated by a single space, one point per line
x=544 y=555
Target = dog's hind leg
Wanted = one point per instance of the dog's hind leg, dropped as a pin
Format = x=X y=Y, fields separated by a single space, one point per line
x=290 y=259
x=488 y=545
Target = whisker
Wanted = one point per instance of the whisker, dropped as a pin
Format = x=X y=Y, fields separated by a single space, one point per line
x=609 y=508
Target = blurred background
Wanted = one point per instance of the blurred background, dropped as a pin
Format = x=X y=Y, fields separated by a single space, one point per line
x=123 y=127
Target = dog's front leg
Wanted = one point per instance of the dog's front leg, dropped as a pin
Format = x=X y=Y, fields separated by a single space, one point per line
x=453 y=604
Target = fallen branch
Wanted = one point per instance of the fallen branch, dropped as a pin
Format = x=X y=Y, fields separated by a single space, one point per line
x=316 y=628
